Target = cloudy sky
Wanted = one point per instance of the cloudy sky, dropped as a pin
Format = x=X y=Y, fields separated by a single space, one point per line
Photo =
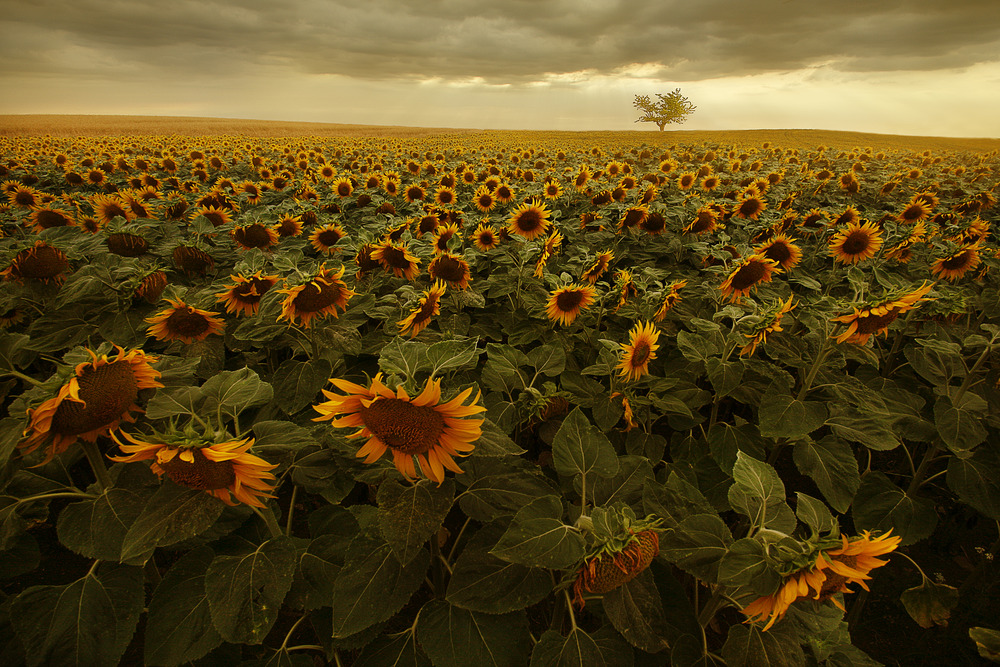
x=927 y=67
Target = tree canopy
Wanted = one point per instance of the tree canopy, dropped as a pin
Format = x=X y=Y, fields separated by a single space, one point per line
x=670 y=108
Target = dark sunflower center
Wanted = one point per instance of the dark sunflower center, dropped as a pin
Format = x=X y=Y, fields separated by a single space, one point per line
x=749 y=275
x=316 y=296
x=654 y=222
x=47 y=219
x=875 y=323
x=632 y=218
x=253 y=236
x=186 y=322
x=114 y=210
x=959 y=261
x=856 y=242
x=395 y=258
x=486 y=238
x=41 y=263
x=569 y=301
x=215 y=217
x=529 y=220
x=913 y=213
x=640 y=354
x=108 y=391
x=779 y=252
x=201 y=473
x=407 y=428
x=448 y=269
x=23 y=198
x=127 y=245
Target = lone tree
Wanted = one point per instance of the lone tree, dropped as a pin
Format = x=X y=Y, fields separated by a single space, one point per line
x=670 y=108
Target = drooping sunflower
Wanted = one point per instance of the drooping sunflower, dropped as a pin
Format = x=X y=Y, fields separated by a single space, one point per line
x=751 y=272
x=251 y=191
x=324 y=239
x=319 y=297
x=770 y=323
x=782 y=249
x=45 y=217
x=192 y=261
x=288 y=225
x=635 y=356
x=633 y=216
x=654 y=224
x=396 y=259
x=849 y=216
x=254 y=235
x=670 y=299
x=97 y=398
x=184 y=323
x=226 y=470
x=958 y=264
x=421 y=429
x=874 y=319
x=243 y=296
x=565 y=303
x=597 y=269
x=615 y=567
x=856 y=243
x=151 y=286
x=41 y=262
x=450 y=268
x=529 y=220
x=218 y=216
x=429 y=306
x=625 y=287
x=833 y=569
x=485 y=237
x=126 y=244
x=363 y=258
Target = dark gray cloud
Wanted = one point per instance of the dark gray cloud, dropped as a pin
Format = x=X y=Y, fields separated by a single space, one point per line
x=502 y=41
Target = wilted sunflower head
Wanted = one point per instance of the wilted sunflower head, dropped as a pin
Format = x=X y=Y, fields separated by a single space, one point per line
x=243 y=296
x=184 y=323
x=450 y=268
x=319 y=297
x=41 y=262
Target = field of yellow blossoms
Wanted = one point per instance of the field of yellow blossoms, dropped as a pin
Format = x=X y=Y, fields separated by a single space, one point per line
x=497 y=399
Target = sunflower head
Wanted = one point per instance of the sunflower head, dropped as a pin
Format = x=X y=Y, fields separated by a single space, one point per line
x=243 y=296
x=565 y=303
x=529 y=220
x=635 y=355
x=319 y=297
x=41 y=262
x=184 y=323
x=615 y=563
x=856 y=243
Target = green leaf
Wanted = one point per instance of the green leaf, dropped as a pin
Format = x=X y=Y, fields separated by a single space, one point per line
x=502 y=371
x=579 y=448
x=87 y=623
x=937 y=364
x=174 y=401
x=454 y=636
x=930 y=604
x=538 y=537
x=232 y=392
x=548 y=359
x=781 y=416
x=174 y=513
x=245 y=592
x=959 y=428
x=278 y=436
x=696 y=347
x=725 y=376
x=881 y=505
x=296 y=383
x=401 y=650
x=179 y=625
x=482 y=582
x=408 y=515
x=635 y=610
x=987 y=642
x=494 y=442
x=501 y=487
x=697 y=545
x=578 y=649
x=626 y=486
x=97 y=528
x=674 y=500
x=746 y=564
x=403 y=357
x=373 y=585
x=14 y=352
x=449 y=355
x=976 y=480
x=830 y=463
x=749 y=646
x=759 y=493
x=871 y=428
x=812 y=512
x=318 y=568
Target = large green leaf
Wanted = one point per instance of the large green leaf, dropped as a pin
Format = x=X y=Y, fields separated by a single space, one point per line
x=697 y=545
x=830 y=462
x=870 y=428
x=482 y=582
x=627 y=484
x=636 y=611
x=174 y=513
x=232 y=392
x=296 y=383
x=746 y=564
x=959 y=427
x=749 y=646
x=503 y=369
x=782 y=416
x=400 y=650
x=578 y=649
x=579 y=448
x=454 y=636
x=548 y=359
x=87 y=623
x=759 y=493
x=976 y=480
x=245 y=592
x=449 y=355
x=410 y=514
x=538 y=537
x=881 y=505
x=179 y=626
x=930 y=604
x=725 y=376
x=97 y=528
x=674 y=500
x=501 y=487
x=403 y=357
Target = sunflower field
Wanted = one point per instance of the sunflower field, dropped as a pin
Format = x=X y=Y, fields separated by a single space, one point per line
x=497 y=399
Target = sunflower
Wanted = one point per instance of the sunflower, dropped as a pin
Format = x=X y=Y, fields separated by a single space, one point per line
x=421 y=428
x=850 y=216
x=429 y=306
x=483 y=199
x=625 y=288
x=218 y=216
x=414 y=193
x=749 y=207
x=552 y=190
x=781 y=249
x=916 y=210
x=450 y=268
x=770 y=324
x=632 y=217
x=151 y=286
x=442 y=234
x=750 y=273
x=956 y=265
x=597 y=269
x=654 y=224
x=96 y=399
x=485 y=237
x=874 y=319
x=243 y=296
x=444 y=196
x=288 y=225
x=530 y=220
x=856 y=243
x=44 y=217
x=254 y=235
x=635 y=356
x=325 y=238
x=581 y=178
x=225 y=470
x=184 y=323
x=565 y=303
x=343 y=187
x=108 y=208
x=126 y=244
x=363 y=258
x=192 y=261
x=706 y=220
x=22 y=196
x=614 y=567
x=251 y=191
x=830 y=573
x=670 y=299
x=11 y=317
x=396 y=259
x=318 y=298
x=41 y=262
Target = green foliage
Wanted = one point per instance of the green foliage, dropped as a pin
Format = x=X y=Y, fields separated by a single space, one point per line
x=670 y=108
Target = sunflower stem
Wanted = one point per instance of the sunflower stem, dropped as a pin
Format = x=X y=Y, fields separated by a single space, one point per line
x=22 y=376
x=458 y=538
x=291 y=630
x=569 y=607
x=713 y=605
x=925 y=462
x=291 y=510
x=437 y=573
x=267 y=516
x=96 y=461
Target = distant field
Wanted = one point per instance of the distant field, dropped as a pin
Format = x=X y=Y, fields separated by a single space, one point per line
x=89 y=125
